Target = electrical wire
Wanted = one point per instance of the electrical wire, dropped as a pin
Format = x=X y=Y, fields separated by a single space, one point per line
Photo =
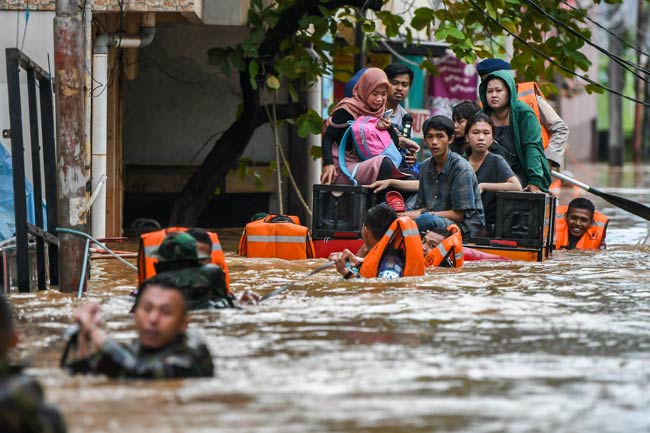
x=600 y=26
x=621 y=61
x=560 y=66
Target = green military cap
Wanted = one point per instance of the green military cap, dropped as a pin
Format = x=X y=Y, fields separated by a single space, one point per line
x=178 y=246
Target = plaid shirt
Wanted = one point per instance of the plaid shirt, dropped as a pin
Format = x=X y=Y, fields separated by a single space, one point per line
x=454 y=188
x=187 y=356
x=22 y=409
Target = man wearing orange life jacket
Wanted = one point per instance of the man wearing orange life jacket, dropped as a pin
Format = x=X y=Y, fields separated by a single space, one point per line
x=394 y=248
x=150 y=242
x=579 y=226
x=441 y=251
x=555 y=133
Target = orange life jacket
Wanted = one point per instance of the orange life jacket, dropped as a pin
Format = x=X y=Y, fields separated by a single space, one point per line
x=149 y=243
x=527 y=93
x=282 y=240
x=403 y=234
x=449 y=252
x=592 y=238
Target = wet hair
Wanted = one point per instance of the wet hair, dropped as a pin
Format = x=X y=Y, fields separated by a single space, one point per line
x=379 y=218
x=479 y=117
x=6 y=325
x=395 y=69
x=164 y=280
x=464 y=110
x=201 y=236
x=581 y=203
x=439 y=123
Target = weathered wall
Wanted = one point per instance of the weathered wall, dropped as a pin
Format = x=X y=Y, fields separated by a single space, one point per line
x=178 y=101
x=178 y=105
x=39 y=43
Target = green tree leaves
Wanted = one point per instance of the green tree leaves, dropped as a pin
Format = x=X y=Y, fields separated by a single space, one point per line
x=472 y=28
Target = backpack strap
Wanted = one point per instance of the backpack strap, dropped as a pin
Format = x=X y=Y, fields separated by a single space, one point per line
x=342 y=164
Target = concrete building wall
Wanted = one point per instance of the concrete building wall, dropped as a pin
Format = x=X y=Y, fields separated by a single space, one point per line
x=176 y=108
x=38 y=45
x=178 y=102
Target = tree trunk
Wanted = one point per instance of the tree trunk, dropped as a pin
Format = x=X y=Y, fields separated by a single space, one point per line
x=199 y=189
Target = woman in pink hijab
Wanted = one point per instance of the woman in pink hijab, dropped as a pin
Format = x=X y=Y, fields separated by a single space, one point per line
x=368 y=99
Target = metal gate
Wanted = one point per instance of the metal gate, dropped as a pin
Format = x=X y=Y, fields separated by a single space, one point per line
x=36 y=77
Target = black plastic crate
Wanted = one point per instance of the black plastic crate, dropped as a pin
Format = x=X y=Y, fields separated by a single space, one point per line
x=525 y=217
x=339 y=211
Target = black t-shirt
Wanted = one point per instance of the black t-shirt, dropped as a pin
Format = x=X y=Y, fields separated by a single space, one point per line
x=494 y=169
x=504 y=145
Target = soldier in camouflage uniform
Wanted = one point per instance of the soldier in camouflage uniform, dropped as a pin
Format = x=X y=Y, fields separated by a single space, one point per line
x=22 y=408
x=204 y=286
x=164 y=348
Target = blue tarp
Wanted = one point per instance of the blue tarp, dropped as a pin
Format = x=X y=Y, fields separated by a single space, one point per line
x=7 y=214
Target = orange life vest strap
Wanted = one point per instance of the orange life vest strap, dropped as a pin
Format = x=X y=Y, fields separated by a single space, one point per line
x=451 y=247
x=528 y=93
x=592 y=238
x=403 y=234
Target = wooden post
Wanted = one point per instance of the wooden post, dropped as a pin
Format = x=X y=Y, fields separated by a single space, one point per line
x=72 y=196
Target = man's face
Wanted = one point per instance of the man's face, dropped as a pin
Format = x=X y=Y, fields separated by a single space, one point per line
x=368 y=240
x=430 y=241
x=438 y=142
x=398 y=88
x=578 y=220
x=160 y=316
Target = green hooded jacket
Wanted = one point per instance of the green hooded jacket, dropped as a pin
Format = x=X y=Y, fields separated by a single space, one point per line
x=526 y=132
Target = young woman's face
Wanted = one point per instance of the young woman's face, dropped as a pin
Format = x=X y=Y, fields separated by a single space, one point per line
x=497 y=94
x=480 y=136
x=459 y=127
x=377 y=97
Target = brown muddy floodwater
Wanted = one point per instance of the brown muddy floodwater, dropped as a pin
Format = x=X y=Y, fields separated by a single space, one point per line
x=559 y=346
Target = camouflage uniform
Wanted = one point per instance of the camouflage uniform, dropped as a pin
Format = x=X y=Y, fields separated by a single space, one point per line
x=204 y=286
x=187 y=356
x=22 y=409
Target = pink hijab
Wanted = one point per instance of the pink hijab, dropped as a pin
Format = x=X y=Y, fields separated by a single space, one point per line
x=357 y=105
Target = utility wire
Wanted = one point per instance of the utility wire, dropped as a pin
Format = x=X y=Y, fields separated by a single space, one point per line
x=600 y=26
x=621 y=61
x=22 y=45
x=560 y=66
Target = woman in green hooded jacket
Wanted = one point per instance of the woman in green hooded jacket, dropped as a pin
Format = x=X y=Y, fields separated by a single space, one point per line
x=518 y=135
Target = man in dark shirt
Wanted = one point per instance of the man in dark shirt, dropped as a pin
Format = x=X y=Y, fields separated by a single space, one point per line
x=22 y=407
x=164 y=348
x=448 y=191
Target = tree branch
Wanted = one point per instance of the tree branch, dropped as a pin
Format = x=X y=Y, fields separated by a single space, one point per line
x=283 y=111
x=289 y=23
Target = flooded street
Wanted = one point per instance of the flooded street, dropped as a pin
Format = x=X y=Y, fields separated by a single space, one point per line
x=558 y=346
